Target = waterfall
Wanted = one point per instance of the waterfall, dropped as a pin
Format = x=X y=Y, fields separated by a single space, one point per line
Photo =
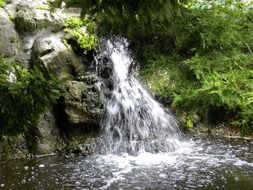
x=134 y=122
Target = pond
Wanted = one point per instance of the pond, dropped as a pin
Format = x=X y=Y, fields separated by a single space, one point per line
x=200 y=163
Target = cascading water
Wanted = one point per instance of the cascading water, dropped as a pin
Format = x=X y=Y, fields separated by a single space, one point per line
x=134 y=121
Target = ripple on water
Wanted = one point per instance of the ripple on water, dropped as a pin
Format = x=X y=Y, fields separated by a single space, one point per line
x=196 y=165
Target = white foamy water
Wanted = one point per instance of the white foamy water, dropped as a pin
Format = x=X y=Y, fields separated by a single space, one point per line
x=143 y=145
x=134 y=121
x=197 y=164
x=207 y=164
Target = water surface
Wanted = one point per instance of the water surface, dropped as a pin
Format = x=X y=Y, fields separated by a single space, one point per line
x=205 y=164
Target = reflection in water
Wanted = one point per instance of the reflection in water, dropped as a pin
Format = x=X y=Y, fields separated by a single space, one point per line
x=202 y=164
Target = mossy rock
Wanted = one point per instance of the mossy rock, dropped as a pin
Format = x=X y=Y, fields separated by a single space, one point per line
x=83 y=105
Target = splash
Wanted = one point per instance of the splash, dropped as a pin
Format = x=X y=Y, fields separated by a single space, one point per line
x=134 y=121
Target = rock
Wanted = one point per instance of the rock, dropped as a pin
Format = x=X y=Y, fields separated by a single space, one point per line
x=73 y=11
x=13 y=148
x=82 y=103
x=36 y=41
x=10 y=8
x=54 y=57
x=50 y=141
x=30 y=19
x=85 y=146
x=9 y=39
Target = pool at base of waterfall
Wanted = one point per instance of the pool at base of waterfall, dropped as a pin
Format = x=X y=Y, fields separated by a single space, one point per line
x=205 y=164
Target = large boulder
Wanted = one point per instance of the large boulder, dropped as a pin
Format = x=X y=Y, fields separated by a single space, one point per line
x=46 y=140
x=56 y=58
x=9 y=39
x=83 y=105
x=29 y=19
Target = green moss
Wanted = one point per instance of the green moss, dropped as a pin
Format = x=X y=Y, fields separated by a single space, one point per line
x=1 y=3
x=12 y=18
x=43 y=7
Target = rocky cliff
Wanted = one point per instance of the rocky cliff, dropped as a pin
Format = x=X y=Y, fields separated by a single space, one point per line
x=33 y=35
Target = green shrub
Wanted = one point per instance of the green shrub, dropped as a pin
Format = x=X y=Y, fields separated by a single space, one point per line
x=83 y=31
x=217 y=74
x=167 y=77
x=24 y=96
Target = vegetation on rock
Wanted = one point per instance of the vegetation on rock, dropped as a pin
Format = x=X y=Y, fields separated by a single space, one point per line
x=24 y=96
x=83 y=31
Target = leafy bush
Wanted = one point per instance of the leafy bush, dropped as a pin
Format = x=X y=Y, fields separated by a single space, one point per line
x=216 y=73
x=24 y=96
x=167 y=77
x=83 y=31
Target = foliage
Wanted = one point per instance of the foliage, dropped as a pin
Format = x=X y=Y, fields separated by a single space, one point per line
x=197 y=54
x=1 y=3
x=189 y=122
x=129 y=18
x=24 y=96
x=166 y=79
x=216 y=71
x=83 y=31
